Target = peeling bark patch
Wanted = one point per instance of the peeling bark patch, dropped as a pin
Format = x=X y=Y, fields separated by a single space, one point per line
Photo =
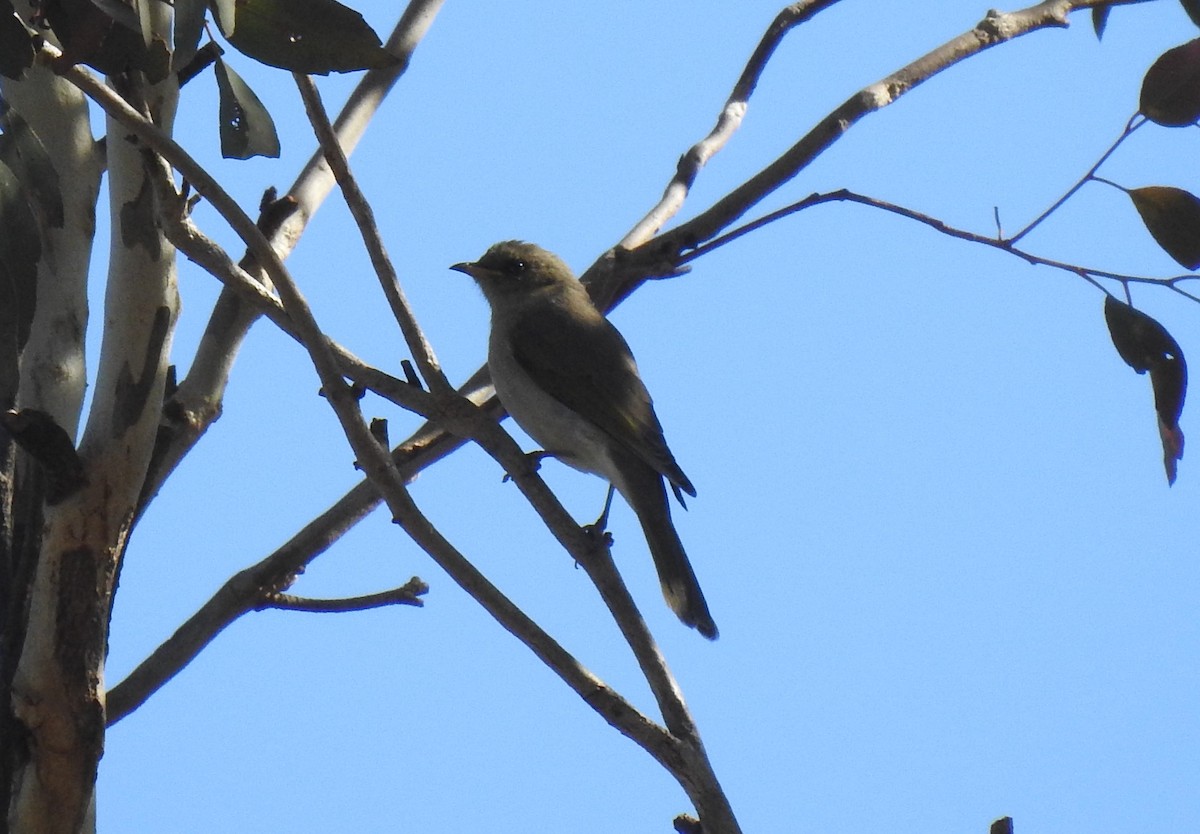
x=138 y=222
x=79 y=647
x=132 y=393
x=68 y=749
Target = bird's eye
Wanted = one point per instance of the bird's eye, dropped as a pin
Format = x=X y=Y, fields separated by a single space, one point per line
x=516 y=266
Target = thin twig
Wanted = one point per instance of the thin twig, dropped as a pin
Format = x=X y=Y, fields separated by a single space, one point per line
x=996 y=28
x=1004 y=245
x=362 y=498
x=364 y=217
x=206 y=252
x=379 y=465
x=197 y=402
x=1133 y=124
x=277 y=571
x=408 y=594
x=728 y=122
x=595 y=560
x=723 y=215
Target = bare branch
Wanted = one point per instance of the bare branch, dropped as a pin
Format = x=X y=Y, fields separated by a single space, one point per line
x=197 y=402
x=996 y=28
x=728 y=122
x=315 y=181
x=409 y=593
x=277 y=571
x=375 y=462
x=865 y=105
x=619 y=713
x=1002 y=244
x=421 y=350
x=216 y=261
x=665 y=688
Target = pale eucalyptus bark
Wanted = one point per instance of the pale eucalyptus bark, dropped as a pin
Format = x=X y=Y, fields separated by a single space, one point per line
x=57 y=693
x=52 y=371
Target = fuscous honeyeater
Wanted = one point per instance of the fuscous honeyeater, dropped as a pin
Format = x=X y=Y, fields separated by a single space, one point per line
x=567 y=377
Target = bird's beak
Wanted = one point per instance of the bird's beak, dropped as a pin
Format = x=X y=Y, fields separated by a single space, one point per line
x=468 y=269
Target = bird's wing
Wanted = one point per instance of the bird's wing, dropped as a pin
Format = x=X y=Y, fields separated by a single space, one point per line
x=589 y=368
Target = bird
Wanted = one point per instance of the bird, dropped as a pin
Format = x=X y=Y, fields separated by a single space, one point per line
x=566 y=375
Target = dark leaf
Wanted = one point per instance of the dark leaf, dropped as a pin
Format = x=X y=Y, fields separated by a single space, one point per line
x=1145 y=345
x=49 y=444
x=89 y=35
x=23 y=152
x=1172 y=216
x=1192 y=7
x=122 y=11
x=189 y=26
x=134 y=15
x=1100 y=18
x=21 y=249
x=16 y=43
x=82 y=28
x=1171 y=88
x=311 y=36
x=1140 y=340
x=246 y=127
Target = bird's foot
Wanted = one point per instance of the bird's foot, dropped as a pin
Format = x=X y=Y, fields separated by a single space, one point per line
x=596 y=528
x=598 y=534
x=535 y=462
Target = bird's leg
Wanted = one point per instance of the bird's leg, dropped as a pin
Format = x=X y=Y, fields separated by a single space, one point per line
x=602 y=521
x=596 y=528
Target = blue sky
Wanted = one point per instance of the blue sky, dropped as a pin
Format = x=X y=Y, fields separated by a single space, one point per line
x=932 y=521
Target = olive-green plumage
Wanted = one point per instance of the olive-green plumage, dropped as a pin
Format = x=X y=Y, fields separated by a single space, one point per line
x=568 y=378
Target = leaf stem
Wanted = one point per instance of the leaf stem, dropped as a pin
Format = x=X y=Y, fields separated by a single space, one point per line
x=1135 y=121
x=1113 y=184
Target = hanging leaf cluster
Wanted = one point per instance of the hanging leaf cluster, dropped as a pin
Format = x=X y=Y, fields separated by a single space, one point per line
x=1169 y=97
x=116 y=36
x=113 y=36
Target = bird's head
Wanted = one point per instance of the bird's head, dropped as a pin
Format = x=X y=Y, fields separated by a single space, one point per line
x=514 y=268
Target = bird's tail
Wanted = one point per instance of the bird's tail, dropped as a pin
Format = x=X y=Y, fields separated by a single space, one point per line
x=679 y=583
